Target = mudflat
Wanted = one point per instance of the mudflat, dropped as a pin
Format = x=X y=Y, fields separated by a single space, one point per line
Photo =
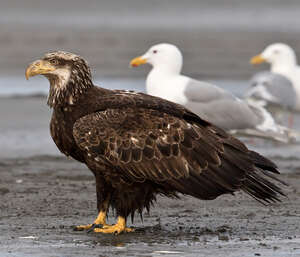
x=43 y=197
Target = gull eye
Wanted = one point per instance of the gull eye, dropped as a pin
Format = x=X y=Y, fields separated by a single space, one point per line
x=276 y=51
x=154 y=51
x=53 y=61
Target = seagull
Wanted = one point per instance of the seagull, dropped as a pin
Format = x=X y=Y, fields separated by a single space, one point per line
x=210 y=102
x=272 y=89
x=283 y=61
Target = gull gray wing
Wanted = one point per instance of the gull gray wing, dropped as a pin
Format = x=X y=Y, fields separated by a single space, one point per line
x=228 y=114
x=202 y=92
x=220 y=107
x=273 y=88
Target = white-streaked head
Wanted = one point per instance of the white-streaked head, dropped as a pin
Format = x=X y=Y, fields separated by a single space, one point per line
x=276 y=54
x=69 y=76
x=166 y=57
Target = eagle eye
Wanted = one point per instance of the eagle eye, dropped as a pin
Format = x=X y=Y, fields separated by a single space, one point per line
x=53 y=61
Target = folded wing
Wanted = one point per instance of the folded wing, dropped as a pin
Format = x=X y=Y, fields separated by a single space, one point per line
x=202 y=161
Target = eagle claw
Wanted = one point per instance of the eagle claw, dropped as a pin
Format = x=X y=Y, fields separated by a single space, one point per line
x=91 y=229
x=76 y=228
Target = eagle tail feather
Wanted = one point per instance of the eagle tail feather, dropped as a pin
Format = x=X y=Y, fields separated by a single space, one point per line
x=259 y=187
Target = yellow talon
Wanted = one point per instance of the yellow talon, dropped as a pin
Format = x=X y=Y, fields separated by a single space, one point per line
x=118 y=228
x=100 y=220
x=113 y=230
x=83 y=227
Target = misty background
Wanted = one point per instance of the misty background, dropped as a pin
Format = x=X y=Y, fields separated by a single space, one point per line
x=217 y=37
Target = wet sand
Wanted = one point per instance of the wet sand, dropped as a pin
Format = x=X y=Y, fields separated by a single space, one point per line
x=43 y=196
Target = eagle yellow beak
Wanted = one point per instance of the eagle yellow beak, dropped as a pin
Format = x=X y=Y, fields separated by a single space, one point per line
x=138 y=61
x=38 y=67
x=258 y=59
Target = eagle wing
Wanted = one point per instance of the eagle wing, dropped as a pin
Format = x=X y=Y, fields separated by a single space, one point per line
x=145 y=144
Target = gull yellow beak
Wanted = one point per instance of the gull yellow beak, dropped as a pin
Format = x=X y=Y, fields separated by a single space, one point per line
x=258 y=59
x=138 y=61
x=38 y=67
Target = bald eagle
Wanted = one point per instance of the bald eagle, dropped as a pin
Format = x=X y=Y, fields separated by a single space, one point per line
x=139 y=146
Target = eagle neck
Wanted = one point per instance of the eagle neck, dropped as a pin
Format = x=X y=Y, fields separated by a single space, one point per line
x=61 y=95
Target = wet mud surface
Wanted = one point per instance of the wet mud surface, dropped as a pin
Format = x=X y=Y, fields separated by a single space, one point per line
x=43 y=197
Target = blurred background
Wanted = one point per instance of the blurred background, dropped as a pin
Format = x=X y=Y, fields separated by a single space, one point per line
x=217 y=39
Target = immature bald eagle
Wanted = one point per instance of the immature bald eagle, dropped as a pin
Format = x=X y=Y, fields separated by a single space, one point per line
x=139 y=146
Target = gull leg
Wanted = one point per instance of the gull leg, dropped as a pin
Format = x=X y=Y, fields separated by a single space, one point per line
x=291 y=120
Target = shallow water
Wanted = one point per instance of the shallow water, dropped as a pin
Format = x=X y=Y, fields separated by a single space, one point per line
x=18 y=86
x=154 y=245
x=39 y=86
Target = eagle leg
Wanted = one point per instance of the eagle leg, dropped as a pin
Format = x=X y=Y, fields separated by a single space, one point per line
x=119 y=227
x=100 y=221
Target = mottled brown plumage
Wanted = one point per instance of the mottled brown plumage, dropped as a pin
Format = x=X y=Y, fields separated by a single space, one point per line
x=139 y=146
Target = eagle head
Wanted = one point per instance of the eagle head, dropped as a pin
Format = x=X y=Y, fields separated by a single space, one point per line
x=69 y=76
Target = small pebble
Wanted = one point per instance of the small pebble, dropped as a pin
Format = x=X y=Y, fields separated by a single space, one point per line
x=244 y=239
x=223 y=237
x=4 y=191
